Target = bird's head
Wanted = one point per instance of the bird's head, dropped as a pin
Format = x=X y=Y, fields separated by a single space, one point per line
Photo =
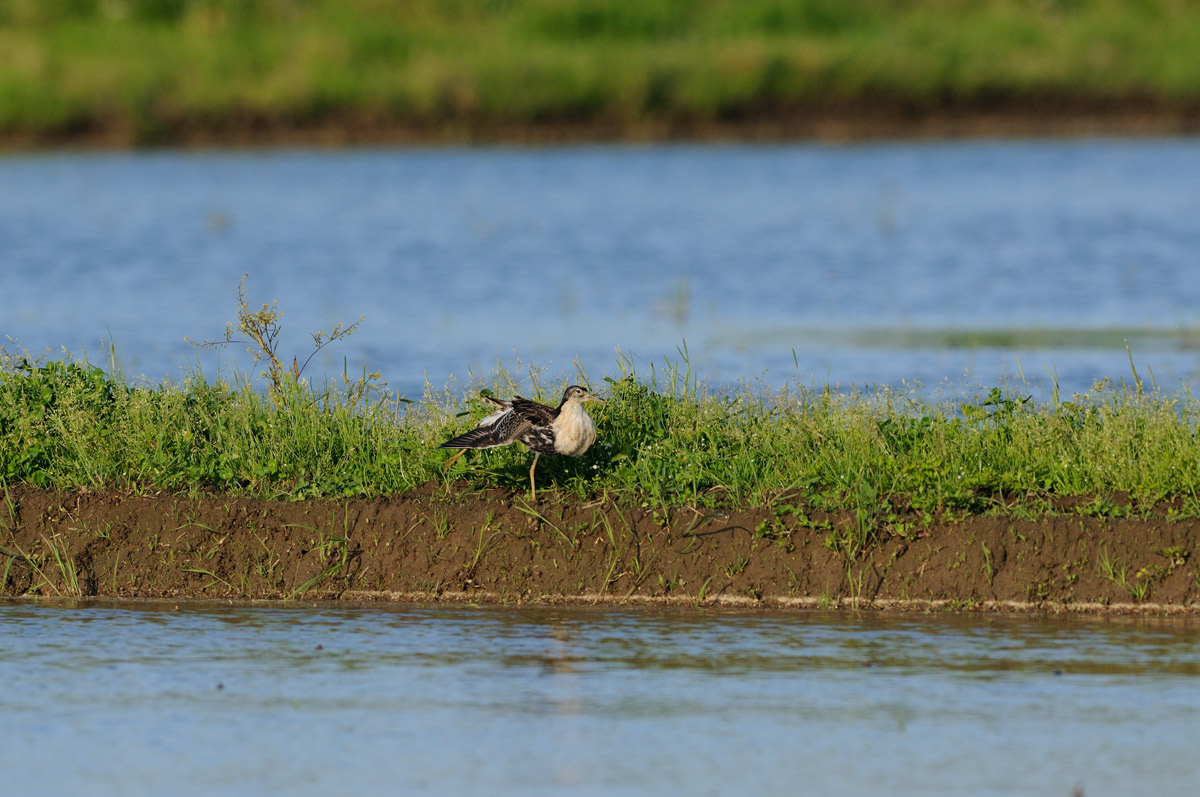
x=580 y=394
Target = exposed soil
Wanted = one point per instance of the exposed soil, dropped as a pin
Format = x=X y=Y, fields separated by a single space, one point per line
x=882 y=118
x=451 y=543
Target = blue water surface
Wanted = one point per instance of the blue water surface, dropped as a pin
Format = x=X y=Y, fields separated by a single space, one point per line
x=105 y=698
x=800 y=263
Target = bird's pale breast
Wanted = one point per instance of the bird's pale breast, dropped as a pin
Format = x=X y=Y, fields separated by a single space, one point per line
x=574 y=430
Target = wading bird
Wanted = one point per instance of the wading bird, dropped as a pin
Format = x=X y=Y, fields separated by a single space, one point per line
x=565 y=429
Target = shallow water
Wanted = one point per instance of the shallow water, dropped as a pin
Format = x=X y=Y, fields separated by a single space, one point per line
x=806 y=263
x=104 y=698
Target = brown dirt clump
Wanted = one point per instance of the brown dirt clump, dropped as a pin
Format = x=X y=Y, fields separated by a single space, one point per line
x=443 y=543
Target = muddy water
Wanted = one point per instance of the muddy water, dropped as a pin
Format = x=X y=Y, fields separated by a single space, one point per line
x=953 y=262
x=153 y=699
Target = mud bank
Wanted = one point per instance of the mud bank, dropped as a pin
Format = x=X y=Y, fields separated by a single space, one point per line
x=832 y=122
x=454 y=544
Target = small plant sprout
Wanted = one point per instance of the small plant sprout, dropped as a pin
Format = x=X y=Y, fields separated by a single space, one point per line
x=260 y=329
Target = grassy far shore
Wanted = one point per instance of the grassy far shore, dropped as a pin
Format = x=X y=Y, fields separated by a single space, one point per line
x=162 y=71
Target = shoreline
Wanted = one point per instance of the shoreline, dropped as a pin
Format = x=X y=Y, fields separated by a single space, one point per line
x=851 y=123
x=448 y=544
x=365 y=599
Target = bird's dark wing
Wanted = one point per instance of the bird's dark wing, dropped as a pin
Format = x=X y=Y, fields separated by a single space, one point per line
x=533 y=412
x=498 y=429
x=538 y=430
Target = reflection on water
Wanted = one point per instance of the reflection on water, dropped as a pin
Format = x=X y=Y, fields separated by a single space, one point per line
x=105 y=698
x=866 y=264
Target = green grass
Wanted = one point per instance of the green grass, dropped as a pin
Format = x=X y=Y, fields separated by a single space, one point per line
x=152 y=67
x=665 y=439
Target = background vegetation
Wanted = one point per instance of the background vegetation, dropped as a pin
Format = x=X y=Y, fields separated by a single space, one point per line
x=155 y=69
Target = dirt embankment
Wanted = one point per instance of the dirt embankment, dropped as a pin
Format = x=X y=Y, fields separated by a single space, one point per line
x=833 y=121
x=439 y=544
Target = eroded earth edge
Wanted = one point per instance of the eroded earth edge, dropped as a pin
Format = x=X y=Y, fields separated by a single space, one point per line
x=452 y=543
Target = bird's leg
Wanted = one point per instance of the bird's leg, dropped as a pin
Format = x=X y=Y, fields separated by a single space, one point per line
x=450 y=462
x=532 y=488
